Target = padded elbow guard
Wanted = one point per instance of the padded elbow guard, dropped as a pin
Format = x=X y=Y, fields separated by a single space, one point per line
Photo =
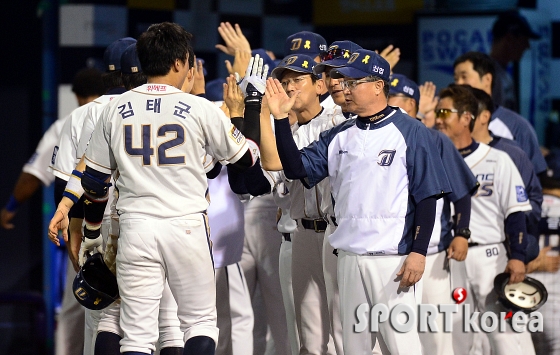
x=94 y=184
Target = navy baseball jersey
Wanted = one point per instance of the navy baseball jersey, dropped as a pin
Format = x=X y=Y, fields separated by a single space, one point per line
x=462 y=182
x=508 y=124
x=377 y=171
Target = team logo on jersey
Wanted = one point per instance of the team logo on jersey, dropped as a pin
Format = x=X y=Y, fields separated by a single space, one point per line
x=340 y=152
x=386 y=157
x=521 y=194
x=54 y=153
x=236 y=135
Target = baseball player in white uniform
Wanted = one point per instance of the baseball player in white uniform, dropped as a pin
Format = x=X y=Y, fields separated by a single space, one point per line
x=367 y=267
x=164 y=234
x=497 y=209
x=87 y=86
x=69 y=152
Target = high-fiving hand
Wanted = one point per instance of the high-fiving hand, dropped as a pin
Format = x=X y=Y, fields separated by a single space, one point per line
x=254 y=82
x=279 y=103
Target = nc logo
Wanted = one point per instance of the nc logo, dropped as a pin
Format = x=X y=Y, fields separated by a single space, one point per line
x=386 y=157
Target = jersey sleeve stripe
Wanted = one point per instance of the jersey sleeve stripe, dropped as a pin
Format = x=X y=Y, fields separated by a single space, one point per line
x=102 y=168
x=237 y=156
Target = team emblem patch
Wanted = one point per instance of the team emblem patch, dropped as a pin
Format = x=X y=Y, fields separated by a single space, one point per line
x=54 y=153
x=386 y=157
x=521 y=194
x=236 y=135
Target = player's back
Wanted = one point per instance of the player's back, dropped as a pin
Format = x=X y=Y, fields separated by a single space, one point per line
x=158 y=136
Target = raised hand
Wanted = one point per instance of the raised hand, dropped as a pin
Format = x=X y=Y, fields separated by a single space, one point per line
x=391 y=55
x=254 y=82
x=199 y=86
x=240 y=61
x=233 y=38
x=428 y=103
x=233 y=97
x=279 y=103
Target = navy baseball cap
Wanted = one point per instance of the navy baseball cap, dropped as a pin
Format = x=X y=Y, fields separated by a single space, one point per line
x=130 y=64
x=305 y=42
x=400 y=84
x=300 y=63
x=514 y=22
x=113 y=53
x=337 y=55
x=363 y=63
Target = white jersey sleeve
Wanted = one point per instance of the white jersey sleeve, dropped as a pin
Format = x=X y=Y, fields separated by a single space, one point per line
x=99 y=155
x=513 y=197
x=63 y=159
x=226 y=142
x=38 y=164
x=90 y=120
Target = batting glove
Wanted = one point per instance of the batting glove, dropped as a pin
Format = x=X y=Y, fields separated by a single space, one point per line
x=254 y=82
x=92 y=242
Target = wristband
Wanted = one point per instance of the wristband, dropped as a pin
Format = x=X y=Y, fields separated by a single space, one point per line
x=12 y=204
x=74 y=189
x=420 y=115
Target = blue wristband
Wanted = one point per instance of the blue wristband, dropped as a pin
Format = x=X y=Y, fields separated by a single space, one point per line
x=12 y=204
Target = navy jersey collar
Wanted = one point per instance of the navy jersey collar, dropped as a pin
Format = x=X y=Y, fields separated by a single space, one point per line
x=324 y=96
x=373 y=121
x=468 y=150
x=317 y=115
x=116 y=91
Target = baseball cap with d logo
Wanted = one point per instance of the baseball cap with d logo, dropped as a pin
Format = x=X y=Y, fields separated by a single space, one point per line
x=363 y=63
x=337 y=55
x=305 y=42
x=299 y=63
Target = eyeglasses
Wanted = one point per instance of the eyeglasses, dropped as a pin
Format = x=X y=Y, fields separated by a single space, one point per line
x=294 y=81
x=351 y=84
x=445 y=113
x=335 y=53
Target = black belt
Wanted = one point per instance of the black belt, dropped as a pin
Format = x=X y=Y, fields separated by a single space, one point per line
x=319 y=225
x=287 y=237
x=473 y=244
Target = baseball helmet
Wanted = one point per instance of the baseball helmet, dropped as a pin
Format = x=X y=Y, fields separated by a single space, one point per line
x=526 y=296
x=95 y=287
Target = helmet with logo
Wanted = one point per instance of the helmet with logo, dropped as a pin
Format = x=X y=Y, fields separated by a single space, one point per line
x=95 y=287
x=526 y=296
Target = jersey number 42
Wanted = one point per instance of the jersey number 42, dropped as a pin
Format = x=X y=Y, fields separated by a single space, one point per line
x=146 y=150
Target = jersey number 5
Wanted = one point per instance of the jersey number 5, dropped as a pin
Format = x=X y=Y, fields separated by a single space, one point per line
x=146 y=150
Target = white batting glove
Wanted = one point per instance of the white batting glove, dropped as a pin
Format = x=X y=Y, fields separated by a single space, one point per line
x=89 y=246
x=254 y=82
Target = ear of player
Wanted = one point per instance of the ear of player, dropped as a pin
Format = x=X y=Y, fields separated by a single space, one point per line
x=95 y=287
x=253 y=84
x=526 y=296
